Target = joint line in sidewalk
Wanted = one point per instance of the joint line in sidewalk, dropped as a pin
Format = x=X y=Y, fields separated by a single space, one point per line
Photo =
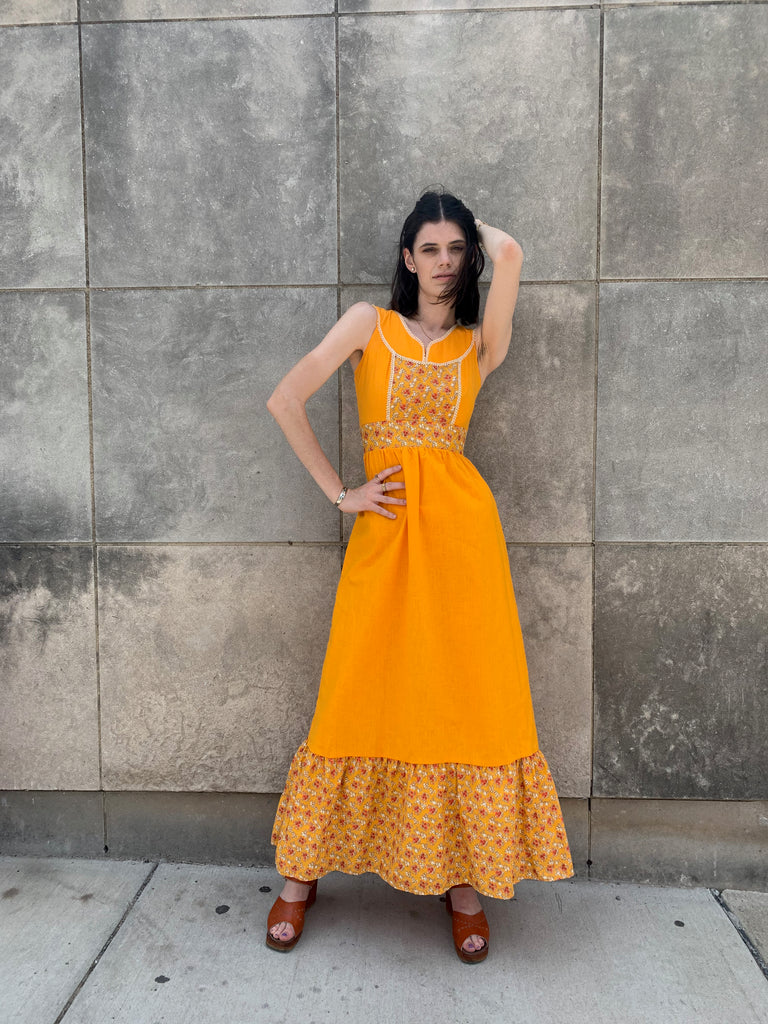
x=104 y=948
x=717 y=893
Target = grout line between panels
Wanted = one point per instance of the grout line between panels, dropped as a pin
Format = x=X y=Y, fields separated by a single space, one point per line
x=89 y=365
x=339 y=284
x=339 y=379
x=299 y=543
x=507 y=9
x=596 y=292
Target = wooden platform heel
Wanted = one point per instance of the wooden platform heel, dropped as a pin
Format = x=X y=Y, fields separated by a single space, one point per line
x=465 y=925
x=291 y=912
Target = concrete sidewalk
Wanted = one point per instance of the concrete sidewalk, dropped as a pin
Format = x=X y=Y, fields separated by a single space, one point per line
x=92 y=942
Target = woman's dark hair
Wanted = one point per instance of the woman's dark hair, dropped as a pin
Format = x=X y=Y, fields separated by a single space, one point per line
x=464 y=294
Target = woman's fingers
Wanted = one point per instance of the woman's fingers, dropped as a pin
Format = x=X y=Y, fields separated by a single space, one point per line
x=391 y=485
x=379 y=495
x=390 y=501
x=385 y=495
x=382 y=475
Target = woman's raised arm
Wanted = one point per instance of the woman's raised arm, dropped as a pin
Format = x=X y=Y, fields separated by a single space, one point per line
x=496 y=328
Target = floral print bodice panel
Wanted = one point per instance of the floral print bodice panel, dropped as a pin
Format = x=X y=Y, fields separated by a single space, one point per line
x=428 y=402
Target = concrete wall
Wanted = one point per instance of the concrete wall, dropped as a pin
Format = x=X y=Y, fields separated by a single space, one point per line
x=191 y=194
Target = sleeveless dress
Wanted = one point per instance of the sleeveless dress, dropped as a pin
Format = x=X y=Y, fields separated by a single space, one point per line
x=422 y=761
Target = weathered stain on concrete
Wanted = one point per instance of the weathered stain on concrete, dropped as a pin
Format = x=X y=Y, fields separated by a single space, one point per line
x=680 y=662
x=184 y=446
x=211 y=151
x=48 y=664
x=39 y=586
x=44 y=458
x=42 y=169
x=681 y=448
x=210 y=662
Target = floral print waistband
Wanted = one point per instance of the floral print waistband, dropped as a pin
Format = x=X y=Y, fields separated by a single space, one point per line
x=417 y=432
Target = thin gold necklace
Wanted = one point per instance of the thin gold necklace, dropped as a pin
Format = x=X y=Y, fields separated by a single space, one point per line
x=430 y=339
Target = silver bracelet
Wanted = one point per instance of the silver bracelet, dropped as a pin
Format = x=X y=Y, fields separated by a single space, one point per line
x=341 y=496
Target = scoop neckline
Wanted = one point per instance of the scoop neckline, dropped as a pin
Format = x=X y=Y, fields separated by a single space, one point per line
x=426 y=349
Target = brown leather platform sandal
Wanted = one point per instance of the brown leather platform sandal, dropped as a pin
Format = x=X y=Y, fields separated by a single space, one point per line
x=465 y=925
x=292 y=912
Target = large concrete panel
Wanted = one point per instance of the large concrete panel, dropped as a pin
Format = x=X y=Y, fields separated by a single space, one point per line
x=532 y=429
x=56 y=917
x=22 y=12
x=44 y=458
x=211 y=151
x=51 y=824
x=682 y=393
x=680 y=695
x=210 y=662
x=48 y=701
x=184 y=445
x=201 y=828
x=370 y=953
x=125 y=10
x=717 y=843
x=683 y=172
x=553 y=589
x=499 y=107
x=41 y=169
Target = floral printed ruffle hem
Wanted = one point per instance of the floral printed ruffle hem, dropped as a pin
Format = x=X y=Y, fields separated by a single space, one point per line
x=421 y=827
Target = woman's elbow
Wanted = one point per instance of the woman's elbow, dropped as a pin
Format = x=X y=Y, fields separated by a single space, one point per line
x=275 y=401
x=272 y=402
x=510 y=251
x=281 y=399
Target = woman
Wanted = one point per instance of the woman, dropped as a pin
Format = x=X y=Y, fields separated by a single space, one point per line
x=422 y=761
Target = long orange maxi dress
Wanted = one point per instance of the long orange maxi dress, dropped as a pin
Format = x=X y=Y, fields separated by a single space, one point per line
x=422 y=761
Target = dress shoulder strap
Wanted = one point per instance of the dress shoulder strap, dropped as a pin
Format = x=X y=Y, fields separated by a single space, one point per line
x=394 y=336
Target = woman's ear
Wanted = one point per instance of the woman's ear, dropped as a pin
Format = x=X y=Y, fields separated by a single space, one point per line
x=408 y=259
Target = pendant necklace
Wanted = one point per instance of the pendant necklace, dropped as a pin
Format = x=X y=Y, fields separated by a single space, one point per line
x=430 y=339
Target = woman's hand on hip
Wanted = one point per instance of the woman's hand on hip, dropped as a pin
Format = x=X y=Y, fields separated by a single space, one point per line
x=373 y=493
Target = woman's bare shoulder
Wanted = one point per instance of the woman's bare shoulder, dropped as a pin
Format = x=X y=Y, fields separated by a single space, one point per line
x=363 y=311
x=362 y=317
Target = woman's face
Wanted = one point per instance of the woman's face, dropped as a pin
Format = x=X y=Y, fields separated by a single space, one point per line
x=437 y=255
